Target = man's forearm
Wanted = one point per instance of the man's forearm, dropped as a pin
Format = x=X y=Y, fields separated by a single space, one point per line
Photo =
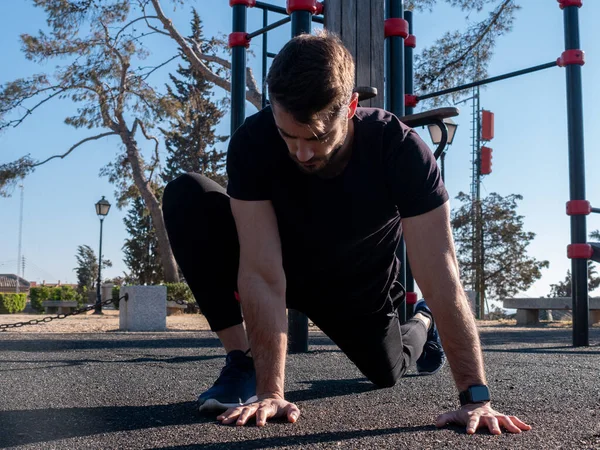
x=460 y=338
x=263 y=305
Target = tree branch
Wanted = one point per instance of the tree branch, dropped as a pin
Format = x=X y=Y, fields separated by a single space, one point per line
x=91 y=138
x=124 y=67
x=460 y=58
x=150 y=138
x=154 y=69
x=196 y=60
x=15 y=123
x=144 y=17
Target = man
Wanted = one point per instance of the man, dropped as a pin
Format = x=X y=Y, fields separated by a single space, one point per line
x=319 y=194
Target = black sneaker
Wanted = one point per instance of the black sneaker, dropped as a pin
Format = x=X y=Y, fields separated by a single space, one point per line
x=235 y=386
x=433 y=357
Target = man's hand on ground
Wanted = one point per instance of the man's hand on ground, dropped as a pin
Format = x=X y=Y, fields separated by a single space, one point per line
x=479 y=415
x=263 y=409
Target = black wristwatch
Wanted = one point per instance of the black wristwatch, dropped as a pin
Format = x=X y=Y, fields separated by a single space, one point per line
x=475 y=394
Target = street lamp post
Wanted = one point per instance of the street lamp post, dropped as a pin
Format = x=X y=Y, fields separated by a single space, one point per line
x=102 y=208
x=436 y=137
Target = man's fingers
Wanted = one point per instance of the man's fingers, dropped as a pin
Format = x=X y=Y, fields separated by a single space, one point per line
x=292 y=413
x=230 y=415
x=473 y=424
x=247 y=412
x=508 y=424
x=493 y=425
x=261 y=417
x=519 y=423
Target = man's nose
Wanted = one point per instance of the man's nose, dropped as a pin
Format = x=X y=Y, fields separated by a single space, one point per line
x=304 y=153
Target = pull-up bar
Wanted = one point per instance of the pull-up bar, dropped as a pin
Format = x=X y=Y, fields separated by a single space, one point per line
x=488 y=80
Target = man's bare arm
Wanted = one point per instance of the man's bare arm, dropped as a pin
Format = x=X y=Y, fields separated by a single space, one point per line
x=432 y=258
x=261 y=284
x=430 y=249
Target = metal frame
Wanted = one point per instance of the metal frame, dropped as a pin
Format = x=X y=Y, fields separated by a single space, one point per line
x=395 y=89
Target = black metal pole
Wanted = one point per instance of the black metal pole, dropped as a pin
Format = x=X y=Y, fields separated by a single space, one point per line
x=301 y=22
x=394 y=102
x=264 y=57
x=266 y=28
x=579 y=267
x=238 y=71
x=297 y=321
x=409 y=88
x=488 y=80
x=408 y=64
x=98 y=306
x=272 y=8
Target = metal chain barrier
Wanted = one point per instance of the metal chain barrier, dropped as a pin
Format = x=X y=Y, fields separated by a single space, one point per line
x=6 y=326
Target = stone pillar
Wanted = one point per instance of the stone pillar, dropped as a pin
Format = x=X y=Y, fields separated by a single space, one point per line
x=145 y=310
x=528 y=316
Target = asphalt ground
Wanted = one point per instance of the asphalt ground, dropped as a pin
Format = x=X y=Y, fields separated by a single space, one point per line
x=137 y=391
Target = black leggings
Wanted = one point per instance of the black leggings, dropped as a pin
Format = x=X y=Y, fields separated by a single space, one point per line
x=204 y=240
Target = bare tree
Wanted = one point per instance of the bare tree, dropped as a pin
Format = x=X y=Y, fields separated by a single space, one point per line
x=101 y=45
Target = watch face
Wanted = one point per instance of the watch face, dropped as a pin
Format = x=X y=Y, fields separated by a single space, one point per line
x=479 y=394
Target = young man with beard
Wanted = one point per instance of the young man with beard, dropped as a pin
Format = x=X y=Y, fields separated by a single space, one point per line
x=319 y=194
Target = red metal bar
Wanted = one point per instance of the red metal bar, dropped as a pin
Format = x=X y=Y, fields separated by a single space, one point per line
x=579 y=251
x=578 y=208
x=570 y=57
x=239 y=39
x=248 y=3
x=395 y=27
x=565 y=3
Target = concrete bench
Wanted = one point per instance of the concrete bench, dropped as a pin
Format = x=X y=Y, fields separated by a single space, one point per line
x=174 y=308
x=528 y=309
x=59 y=307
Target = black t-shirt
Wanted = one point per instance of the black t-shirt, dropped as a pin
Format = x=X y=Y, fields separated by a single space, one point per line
x=339 y=235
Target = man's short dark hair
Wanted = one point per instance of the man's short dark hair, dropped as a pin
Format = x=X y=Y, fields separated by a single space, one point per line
x=313 y=75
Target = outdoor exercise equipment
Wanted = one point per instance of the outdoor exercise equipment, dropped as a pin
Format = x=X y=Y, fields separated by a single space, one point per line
x=399 y=98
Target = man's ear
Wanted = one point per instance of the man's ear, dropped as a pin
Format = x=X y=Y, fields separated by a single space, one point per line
x=353 y=105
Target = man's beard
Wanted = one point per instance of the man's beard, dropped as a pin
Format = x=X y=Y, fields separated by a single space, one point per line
x=318 y=165
x=324 y=164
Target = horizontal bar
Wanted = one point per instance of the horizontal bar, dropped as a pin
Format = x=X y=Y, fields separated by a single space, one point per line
x=271 y=55
x=269 y=27
x=488 y=80
x=273 y=8
x=596 y=210
x=281 y=10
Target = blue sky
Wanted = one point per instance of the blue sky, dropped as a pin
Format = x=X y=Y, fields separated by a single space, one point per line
x=530 y=148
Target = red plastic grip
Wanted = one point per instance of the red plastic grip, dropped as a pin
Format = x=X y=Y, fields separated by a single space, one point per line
x=239 y=39
x=564 y=3
x=248 y=3
x=570 y=57
x=579 y=208
x=411 y=100
x=410 y=41
x=580 y=251
x=411 y=298
x=395 y=27
x=313 y=6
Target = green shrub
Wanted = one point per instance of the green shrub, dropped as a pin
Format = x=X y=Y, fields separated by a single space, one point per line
x=179 y=291
x=37 y=295
x=115 y=296
x=12 y=303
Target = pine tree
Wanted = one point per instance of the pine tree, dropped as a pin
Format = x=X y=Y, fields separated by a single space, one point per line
x=508 y=268
x=87 y=268
x=191 y=139
x=142 y=254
